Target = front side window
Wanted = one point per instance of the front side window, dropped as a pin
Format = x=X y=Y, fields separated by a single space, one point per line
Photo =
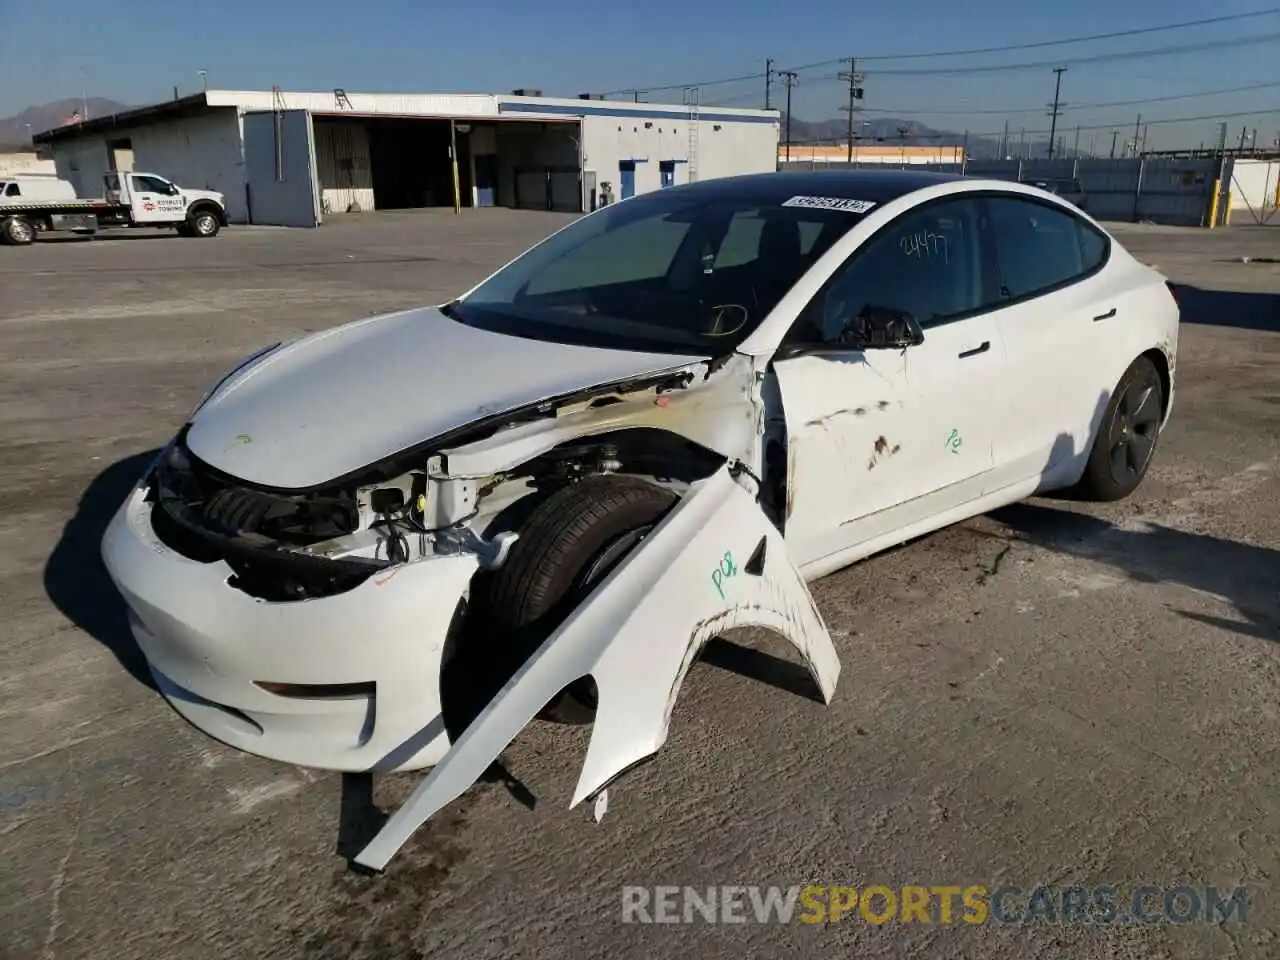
x=143 y=184
x=665 y=272
x=12 y=190
x=927 y=263
x=1040 y=247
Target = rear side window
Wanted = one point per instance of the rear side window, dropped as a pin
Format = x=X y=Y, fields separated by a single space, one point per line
x=12 y=190
x=1040 y=248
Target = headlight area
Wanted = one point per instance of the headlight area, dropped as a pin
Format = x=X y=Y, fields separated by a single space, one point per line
x=285 y=547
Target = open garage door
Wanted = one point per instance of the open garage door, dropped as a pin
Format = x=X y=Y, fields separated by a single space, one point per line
x=280 y=168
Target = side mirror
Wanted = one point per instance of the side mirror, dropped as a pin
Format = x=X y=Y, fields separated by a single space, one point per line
x=882 y=328
x=173 y=190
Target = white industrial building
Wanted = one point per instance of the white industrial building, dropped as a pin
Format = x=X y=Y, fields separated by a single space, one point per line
x=292 y=159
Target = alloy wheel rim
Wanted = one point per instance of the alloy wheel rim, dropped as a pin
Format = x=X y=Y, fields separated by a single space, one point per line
x=1133 y=431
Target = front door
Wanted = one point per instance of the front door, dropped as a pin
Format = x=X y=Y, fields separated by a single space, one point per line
x=627 y=178
x=667 y=173
x=154 y=200
x=881 y=439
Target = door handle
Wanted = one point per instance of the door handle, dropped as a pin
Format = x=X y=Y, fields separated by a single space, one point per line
x=1105 y=316
x=986 y=345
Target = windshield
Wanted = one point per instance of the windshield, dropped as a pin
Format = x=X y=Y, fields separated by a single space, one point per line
x=667 y=272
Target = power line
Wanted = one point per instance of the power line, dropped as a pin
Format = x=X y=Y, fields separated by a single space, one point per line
x=1144 y=54
x=1040 y=44
x=1010 y=111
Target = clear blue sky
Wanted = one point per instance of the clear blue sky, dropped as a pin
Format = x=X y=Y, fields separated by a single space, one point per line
x=137 y=54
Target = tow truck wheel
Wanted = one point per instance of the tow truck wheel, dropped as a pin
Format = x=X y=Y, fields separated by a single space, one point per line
x=18 y=231
x=203 y=224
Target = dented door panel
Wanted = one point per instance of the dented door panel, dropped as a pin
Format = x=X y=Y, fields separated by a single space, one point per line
x=872 y=433
x=851 y=436
x=714 y=563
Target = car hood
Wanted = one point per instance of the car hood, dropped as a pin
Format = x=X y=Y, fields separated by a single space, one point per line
x=335 y=402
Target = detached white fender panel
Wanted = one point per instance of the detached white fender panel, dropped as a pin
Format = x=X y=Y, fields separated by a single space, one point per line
x=714 y=563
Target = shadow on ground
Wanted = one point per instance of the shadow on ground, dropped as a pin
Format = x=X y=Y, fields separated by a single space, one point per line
x=75 y=578
x=1245 y=575
x=1229 y=308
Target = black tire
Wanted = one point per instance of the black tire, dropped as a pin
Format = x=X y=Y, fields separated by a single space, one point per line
x=1127 y=437
x=18 y=231
x=567 y=545
x=203 y=222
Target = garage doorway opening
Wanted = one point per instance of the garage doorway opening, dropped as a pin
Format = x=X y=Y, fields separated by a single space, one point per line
x=397 y=163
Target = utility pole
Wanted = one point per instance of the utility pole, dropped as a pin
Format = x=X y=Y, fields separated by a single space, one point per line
x=1004 y=142
x=768 y=83
x=1022 y=139
x=1137 y=134
x=788 y=78
x=1056 y=107
x=1076 y=148
x=204 y=80
x=855 y=95
x=1114 y=135
x=1244 y=135
x=1144 y=139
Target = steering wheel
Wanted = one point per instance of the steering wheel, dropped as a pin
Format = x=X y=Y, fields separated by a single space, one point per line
x=727 y=319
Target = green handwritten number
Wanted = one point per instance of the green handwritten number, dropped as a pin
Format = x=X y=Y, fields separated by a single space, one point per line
x=954 y=441
x=723 y=572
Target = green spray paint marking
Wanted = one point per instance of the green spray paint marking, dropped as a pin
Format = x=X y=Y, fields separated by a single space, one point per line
x=723 y=572
x=954 y=441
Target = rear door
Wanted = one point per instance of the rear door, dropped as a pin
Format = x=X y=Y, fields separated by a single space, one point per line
x=1059 y=316
x=280 y=169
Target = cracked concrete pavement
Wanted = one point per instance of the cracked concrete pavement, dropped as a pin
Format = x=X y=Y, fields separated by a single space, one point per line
x=1056 y=693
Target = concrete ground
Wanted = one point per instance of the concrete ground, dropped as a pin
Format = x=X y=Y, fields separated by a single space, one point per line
x=1056 y=694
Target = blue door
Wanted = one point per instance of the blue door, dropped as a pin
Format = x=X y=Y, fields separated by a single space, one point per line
x=627 y=176
x=667 y=172
x=486 y=180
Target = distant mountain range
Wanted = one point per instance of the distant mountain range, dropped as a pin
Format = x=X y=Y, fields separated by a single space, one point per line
x=16 y=131
x=895 y=131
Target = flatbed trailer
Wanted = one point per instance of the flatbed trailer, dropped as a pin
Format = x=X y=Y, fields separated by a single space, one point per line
x=131 y=200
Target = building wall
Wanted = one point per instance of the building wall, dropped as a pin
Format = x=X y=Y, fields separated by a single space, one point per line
x=204 y=153
x=24 y=162
x=343 y=165
x=722 y=149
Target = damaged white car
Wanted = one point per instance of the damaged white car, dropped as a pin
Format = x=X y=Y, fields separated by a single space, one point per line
x=392 y=544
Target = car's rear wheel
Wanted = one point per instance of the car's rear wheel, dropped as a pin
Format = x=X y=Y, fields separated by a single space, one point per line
x=567 y=545
x=1127 y=436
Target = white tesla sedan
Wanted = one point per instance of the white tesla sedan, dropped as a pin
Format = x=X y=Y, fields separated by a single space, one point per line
x=392 y=544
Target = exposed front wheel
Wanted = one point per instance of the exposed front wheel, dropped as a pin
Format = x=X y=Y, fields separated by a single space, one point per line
x=1127 y=436
x=568 y=544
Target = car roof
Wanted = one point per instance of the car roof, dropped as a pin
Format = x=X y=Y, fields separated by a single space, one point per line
x=875 y=186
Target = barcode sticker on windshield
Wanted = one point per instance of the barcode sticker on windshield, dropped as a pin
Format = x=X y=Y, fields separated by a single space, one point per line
x=830 y=203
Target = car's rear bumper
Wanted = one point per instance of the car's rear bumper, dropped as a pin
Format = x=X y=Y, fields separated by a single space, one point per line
x=371 y=656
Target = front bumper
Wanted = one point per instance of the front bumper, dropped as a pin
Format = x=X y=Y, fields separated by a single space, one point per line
x=209 y=645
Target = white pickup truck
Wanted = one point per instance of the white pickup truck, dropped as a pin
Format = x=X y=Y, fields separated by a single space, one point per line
x=130 y=200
